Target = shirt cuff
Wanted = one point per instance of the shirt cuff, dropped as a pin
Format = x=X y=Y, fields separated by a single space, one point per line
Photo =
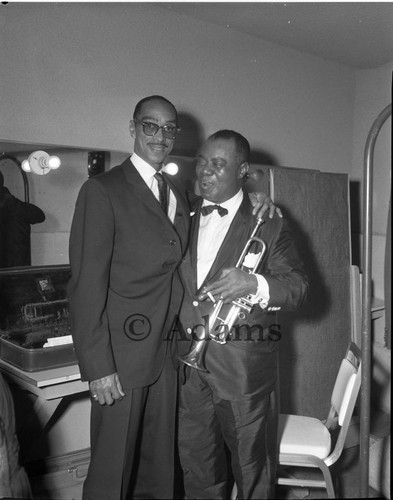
x=262 y=295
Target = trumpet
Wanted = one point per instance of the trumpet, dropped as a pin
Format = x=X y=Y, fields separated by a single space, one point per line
x=219 y=328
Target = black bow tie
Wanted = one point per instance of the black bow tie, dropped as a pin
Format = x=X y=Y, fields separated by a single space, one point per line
x=208 y=209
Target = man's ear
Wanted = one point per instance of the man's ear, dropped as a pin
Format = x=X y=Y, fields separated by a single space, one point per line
x=132 y=128
x=243 y=170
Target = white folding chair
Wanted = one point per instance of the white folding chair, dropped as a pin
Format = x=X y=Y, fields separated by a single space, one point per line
x=307 y=442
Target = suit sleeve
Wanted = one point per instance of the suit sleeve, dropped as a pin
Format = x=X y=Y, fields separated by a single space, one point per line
x=193 y=200
x=91 y=246
x=29 y=213
x=284 y=270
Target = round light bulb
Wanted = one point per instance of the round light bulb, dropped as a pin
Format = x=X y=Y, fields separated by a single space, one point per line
x=26 y=166
x=54 y=162
x=171 y=168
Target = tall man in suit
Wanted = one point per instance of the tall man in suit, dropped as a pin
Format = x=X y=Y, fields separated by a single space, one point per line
x=124 y=293
x=234 y=404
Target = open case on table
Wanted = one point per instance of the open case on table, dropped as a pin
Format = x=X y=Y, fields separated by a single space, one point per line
x=33 y=309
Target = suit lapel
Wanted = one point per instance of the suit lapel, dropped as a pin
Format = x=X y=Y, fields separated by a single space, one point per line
x=179 y=192
x=193 y=243
x=181 y=223
x=141 y=191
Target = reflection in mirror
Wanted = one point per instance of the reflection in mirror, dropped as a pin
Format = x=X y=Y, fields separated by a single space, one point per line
x=16 y=219
x=56 y=193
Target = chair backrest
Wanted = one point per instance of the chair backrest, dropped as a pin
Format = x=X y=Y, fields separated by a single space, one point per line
x=344 y=396
x=343 y=389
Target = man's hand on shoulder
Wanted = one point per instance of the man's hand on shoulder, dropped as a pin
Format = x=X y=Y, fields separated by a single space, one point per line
x=107 y=390
x=262 y=203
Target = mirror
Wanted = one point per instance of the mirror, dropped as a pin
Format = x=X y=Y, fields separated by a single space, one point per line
x=56 y=193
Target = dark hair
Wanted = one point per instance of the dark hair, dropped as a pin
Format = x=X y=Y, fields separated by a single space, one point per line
x=139 y=105
x=242 y=144
x=1 y=179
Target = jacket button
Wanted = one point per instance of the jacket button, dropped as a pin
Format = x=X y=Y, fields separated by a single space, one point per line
x=195 y=303
x=189 y=330
x=173 y=242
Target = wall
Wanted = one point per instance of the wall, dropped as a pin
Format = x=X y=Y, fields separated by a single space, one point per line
x=72 y=73
x=373 y=92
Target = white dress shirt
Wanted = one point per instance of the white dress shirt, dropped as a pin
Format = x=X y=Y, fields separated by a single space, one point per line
x=147 y=173
x=212 y=231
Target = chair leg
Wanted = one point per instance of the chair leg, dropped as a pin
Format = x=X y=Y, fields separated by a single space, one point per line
x=328 y=480
x=298 y=492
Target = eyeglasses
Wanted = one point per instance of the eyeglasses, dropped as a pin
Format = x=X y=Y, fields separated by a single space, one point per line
x=150 y=129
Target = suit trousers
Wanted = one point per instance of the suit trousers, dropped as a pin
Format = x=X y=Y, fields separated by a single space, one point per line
x=132 y=443
x=210 y=427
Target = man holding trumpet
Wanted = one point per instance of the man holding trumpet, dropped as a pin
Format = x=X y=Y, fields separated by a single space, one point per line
x=230 y=400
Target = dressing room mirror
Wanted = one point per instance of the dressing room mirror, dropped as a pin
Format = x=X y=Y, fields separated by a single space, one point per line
x=55 y=193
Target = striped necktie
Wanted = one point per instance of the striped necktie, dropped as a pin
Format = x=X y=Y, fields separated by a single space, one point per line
x=162 y=191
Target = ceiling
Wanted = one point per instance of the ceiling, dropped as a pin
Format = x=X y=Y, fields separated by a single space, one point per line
x=357 y=34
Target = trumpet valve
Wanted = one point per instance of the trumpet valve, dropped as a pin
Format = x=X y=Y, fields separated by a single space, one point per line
x=244 y=303
x=221 y=336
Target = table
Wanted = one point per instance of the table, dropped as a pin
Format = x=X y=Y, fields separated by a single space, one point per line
x=50 y=386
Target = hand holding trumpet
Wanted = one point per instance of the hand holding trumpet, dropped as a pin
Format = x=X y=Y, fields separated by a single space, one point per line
x=232 y=284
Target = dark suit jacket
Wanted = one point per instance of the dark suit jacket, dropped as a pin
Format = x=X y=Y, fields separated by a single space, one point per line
x=124 y=290
x=246 y=365
x=16 y=217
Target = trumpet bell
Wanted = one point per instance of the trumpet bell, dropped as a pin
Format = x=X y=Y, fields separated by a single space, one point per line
x=195 y=356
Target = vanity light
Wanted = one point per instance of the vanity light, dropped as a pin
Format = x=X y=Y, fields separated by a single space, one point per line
x=40 y=163
x=171 y=168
